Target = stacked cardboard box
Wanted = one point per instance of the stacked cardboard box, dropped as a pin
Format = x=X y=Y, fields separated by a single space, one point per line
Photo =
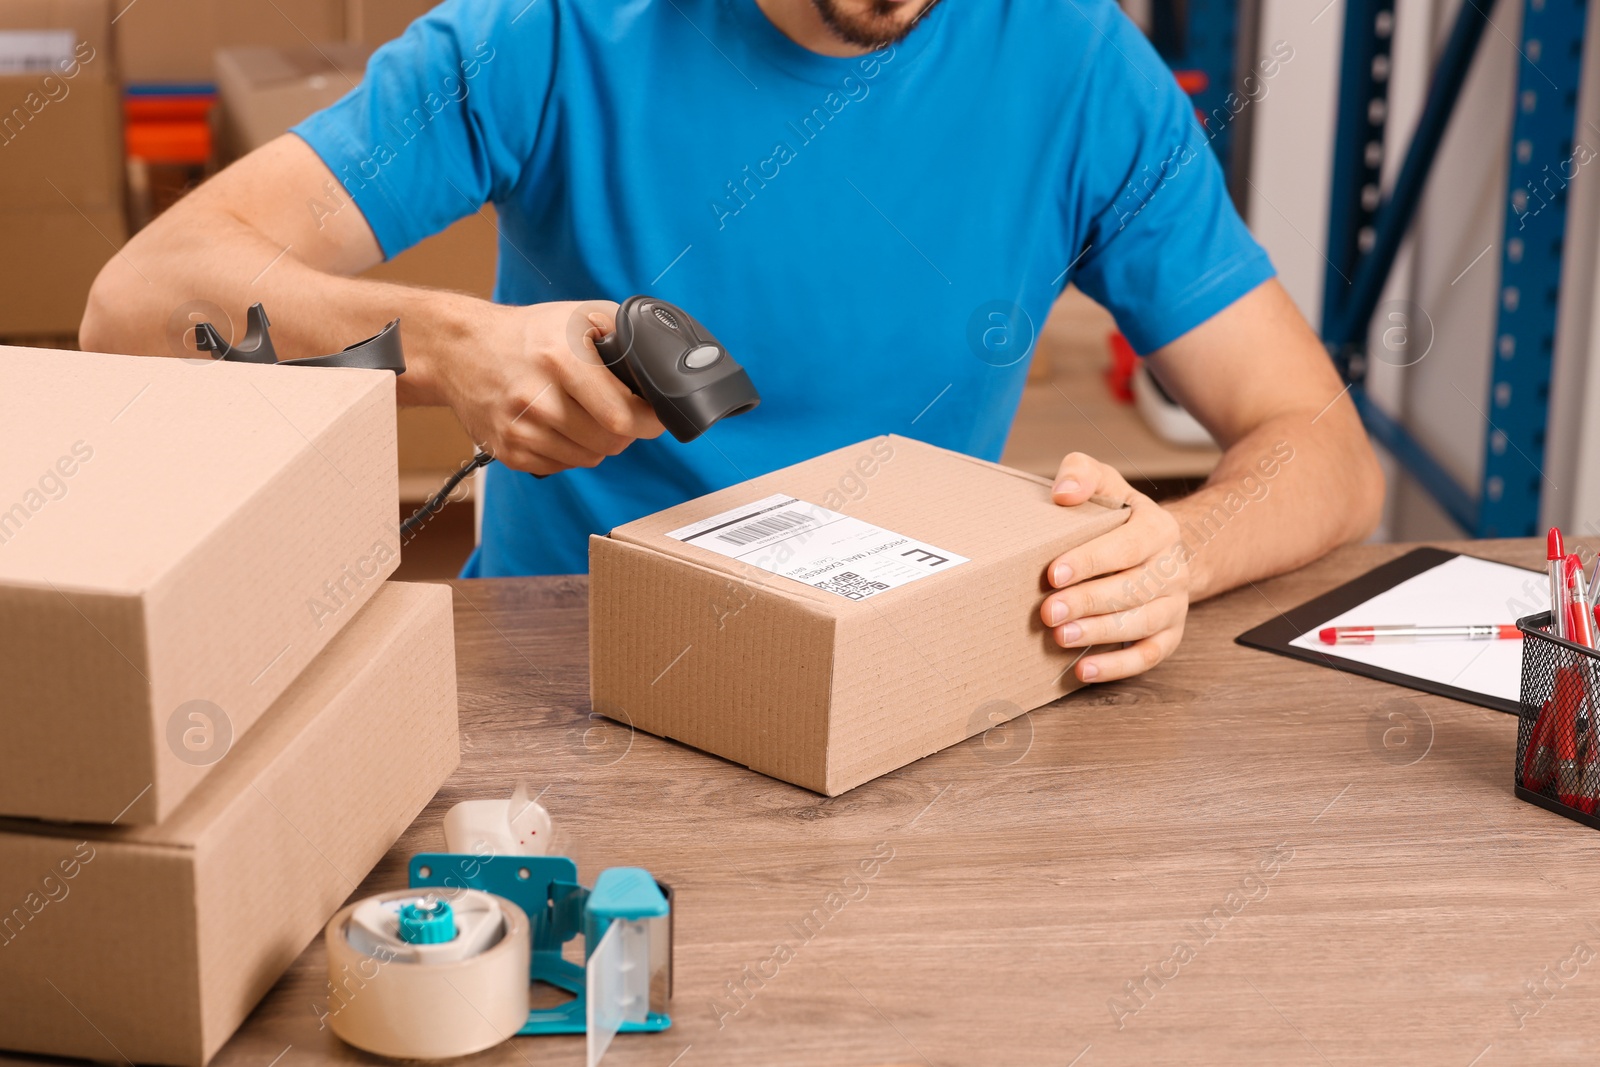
x=220 y=716
x=60 y=160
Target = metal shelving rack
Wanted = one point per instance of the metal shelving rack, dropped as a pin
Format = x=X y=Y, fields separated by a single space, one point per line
x=1366 y=229
x=1210 y=44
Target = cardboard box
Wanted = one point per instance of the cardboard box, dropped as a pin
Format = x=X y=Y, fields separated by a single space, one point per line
x=172 y=531
x=154 y=943
x=263 y=90
x=60 y=112
x=372 y=22
x=431 y=439
x=90 y=21
x=925 y=630
x=51 y=258
x=174 y=40
x=463 y=257
x=60 y=160
x=60 y=153
x=433 y=446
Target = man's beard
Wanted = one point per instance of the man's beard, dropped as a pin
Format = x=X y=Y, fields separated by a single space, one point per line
x=874 y=29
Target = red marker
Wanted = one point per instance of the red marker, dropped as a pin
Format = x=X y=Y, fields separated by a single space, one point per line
x=1368 y=635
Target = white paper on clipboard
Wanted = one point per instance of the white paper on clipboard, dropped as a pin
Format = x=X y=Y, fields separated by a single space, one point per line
x=1459 y=591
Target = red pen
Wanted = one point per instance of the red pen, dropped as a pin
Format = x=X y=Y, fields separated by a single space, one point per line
x=1581 y=630
x=1580 y=615
x=1555 y=556
x=1368 y=635
x=1594 y=576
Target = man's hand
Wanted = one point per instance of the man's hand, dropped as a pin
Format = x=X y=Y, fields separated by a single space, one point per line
x=1130 y=585
x=535 y=393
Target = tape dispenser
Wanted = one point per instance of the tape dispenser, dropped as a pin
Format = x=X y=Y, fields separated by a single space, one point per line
x=382 y=351
x=443 y=968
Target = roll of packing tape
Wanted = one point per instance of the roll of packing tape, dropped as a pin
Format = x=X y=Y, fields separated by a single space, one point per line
x=419 y=996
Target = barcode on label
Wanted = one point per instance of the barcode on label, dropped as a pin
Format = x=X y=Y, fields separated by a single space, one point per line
x=851 y=585
x=782 y=522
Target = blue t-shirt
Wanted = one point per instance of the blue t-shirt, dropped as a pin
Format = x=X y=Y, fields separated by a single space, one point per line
x=876 y=239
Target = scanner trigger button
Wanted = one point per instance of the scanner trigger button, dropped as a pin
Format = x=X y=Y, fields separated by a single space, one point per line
x=702 y=357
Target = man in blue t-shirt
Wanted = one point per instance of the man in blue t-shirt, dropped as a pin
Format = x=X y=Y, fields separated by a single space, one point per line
x=870 y=202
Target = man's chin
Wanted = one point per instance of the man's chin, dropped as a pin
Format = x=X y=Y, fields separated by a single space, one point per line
x=872 y=23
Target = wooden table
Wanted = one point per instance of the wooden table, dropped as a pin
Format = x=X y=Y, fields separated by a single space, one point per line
x=1351 y=887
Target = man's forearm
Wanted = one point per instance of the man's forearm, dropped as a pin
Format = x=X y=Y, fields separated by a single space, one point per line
x=249 y=236
x=154 y=291
x=1297 y=486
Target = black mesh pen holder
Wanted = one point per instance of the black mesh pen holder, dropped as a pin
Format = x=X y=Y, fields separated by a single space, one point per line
x=1558 y=735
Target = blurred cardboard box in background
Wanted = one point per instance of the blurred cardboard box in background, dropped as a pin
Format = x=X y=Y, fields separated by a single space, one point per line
x=60 y=160
x=263 y=90
x=173 y=40
x=433 y=446
x=51 y=259
x=89 y=19
x=372 y=22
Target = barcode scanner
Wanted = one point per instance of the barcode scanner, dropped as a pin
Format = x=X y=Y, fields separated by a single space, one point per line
x=674 y=364
x=668 y=359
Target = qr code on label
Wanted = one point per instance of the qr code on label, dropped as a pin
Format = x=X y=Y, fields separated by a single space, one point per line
x=852 y=585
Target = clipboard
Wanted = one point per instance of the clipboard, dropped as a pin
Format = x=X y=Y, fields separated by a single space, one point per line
x=1277 y=634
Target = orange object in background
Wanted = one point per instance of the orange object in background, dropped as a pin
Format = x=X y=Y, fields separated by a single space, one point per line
x=178 y=105
x=1124 y=361
x=168 y=125
x=1192 y=81
x=168 y=142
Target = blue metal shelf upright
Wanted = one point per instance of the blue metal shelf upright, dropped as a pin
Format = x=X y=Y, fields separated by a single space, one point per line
x=1210 y=46
x=1366 y=228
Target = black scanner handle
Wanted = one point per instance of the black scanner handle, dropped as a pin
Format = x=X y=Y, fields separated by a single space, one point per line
x=677 y=366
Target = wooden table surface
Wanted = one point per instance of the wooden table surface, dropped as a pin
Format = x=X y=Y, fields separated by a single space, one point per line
x=1298 y=866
